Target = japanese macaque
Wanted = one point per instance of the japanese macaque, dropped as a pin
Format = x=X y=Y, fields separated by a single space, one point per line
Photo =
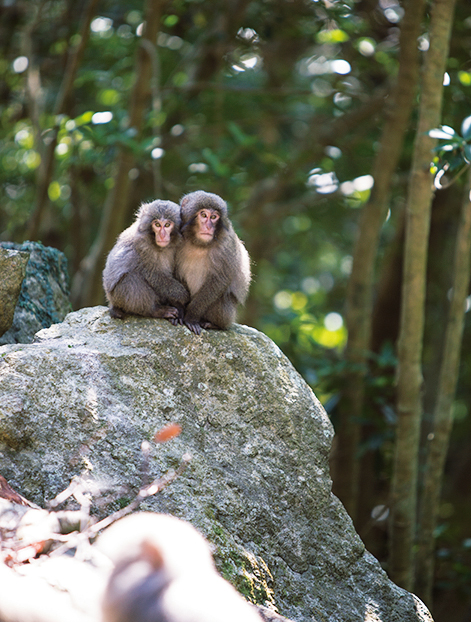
x=139 y=274
x=212 y=263
x=164 y=572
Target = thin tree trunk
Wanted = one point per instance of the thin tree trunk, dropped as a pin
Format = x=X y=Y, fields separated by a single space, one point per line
x=34 y=92
x=442 y=417
x=47 y=151
x=409 y=378
x=87 y=286
x=358 y=311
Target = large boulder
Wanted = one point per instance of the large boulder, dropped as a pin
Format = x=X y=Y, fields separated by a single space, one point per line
x=44 y=295
x=81 y=399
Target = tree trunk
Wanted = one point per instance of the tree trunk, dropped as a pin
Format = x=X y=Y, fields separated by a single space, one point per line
x=358 y=311
x=442 y=421
x=47 y=151
x=409 y=378
x=87 y=287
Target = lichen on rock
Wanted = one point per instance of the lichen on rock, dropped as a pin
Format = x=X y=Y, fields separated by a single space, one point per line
x=44 y=295
x=13 y=270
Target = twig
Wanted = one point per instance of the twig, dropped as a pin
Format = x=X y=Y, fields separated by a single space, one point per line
x=147 y=491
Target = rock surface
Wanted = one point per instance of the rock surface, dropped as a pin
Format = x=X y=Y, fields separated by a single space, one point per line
x=82 y=398
x=13 y=270
x=44 y=296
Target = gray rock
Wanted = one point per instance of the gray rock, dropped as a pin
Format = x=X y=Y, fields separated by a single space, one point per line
x=13 y=270
x=82 y=398
x=44 y=296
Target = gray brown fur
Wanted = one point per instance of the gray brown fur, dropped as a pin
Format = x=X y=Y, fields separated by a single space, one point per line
x=217 y=274
x=139 y=276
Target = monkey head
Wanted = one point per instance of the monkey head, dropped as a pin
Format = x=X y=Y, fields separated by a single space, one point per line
x=203 y=215
x=160 y=220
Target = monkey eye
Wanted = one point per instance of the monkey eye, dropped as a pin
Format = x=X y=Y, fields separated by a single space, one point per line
x=168 y=224
x=214 y=216
x=203 y=214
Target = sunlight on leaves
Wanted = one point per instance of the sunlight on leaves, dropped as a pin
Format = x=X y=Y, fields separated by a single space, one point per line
x=102 y=117
x=464 y=77
x=54 y=191
x=329 y=338
x=336 y=35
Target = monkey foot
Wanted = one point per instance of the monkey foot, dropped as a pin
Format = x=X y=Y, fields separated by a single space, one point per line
x=175 y=321
x=209 y=325
x=195 y=327
x=117 y=313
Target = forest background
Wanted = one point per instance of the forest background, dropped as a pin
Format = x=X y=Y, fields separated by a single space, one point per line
x=318 y=122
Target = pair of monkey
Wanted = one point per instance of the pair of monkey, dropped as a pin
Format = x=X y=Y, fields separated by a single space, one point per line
x=181 y=262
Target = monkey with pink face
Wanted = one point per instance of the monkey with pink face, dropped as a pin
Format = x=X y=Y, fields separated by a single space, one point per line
x=212 y=263
x=139 y=273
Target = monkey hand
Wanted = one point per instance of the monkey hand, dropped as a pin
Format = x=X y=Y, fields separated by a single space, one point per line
x=177 y=320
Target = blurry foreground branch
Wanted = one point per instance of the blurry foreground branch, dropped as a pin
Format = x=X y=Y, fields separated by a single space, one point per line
x=38 y=582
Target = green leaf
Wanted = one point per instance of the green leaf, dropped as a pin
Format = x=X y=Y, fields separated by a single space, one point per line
x=466 y=128
x=84 y=118
x=171 y=20
x=180 y=78
x=455 y=162
x=465 y=78
x=334 y=35
x=54 y=191
x=443 y=132
x=243 y=139
x=218 y=167
x=467 y=153
x=109 y=97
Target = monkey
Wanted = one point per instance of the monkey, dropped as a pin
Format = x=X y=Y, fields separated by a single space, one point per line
x=164 y=572
x=138 y=278
x=212 y=263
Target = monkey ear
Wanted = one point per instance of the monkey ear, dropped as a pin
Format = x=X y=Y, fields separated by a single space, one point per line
x=152 y=554
x=184 y=201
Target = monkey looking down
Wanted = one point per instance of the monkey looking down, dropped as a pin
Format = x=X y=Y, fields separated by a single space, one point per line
x=139 y=273
x=212 y=263
x=164 y=572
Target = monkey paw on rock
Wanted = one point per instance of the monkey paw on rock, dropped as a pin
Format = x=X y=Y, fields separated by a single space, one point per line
x=193 y=325
x=167 y=313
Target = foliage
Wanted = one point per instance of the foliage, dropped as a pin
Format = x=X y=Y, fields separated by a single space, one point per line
x=278 y=107
x=453 y=153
